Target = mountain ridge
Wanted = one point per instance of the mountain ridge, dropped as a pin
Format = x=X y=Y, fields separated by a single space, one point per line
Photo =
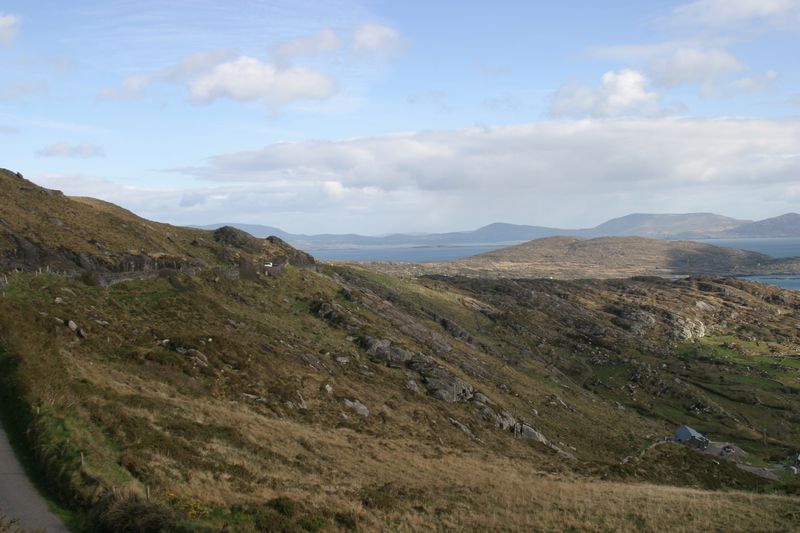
x=668 y=226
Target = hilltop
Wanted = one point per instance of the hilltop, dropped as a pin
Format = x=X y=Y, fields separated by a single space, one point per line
x=787 y=225
x=207 y=391
x=603 y=257
x=665 y=226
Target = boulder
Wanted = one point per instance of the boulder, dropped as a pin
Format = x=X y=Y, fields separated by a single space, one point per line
x=525 y=431
x=358 y=407
x=382 y=351
x=501 y=420
x=443 y=384
x=463 y=427
x=685 y=328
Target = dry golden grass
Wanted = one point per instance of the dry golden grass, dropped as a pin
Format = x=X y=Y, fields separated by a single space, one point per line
x=427 y=487
x=144 y=418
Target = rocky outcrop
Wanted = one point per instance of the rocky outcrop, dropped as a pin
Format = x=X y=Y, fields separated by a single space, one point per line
x=230 y=236
x=440 y=382
x=637 y=321
x=501 y=420
x=525 y=431
x=686 y=328
x=443 y=384
x=359 y=408
x=291 y=255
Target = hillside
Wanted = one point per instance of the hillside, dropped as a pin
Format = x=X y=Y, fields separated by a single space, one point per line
x=787 y=225
x=603 y=257
x=615 y=257
x=43 y=229
x=214 y=393
x=661 y=226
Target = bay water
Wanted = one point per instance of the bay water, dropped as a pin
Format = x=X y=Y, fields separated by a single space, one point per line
x=777 y=247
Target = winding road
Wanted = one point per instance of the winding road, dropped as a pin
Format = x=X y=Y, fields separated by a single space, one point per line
x=18 y=498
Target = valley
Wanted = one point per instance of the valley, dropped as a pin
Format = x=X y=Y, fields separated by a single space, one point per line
x=167 y=378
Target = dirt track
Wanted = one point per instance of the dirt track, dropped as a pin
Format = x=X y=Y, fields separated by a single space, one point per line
x=18 y=498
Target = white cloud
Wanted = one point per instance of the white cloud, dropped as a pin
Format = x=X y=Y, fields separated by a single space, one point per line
x=376 y=39
x=8 y=130
x=736 y=13
x=9 y=28
x=693 y=65
x=209 y=76
x=754 y=83
x=620 y=93
x=567 y=174
x=135 y=86
x=325 y=41
x=247 y=79
x=84 y=150
x=551 y=156
x=689 y=62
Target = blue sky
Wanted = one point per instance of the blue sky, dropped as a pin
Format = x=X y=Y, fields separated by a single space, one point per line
x=376 y=117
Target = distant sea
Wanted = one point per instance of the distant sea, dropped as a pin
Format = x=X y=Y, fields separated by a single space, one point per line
x=778 y=248
x=410 y=254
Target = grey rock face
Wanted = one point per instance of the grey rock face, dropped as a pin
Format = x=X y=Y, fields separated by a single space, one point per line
x=641 y=322
x=463 y=427
x=527 y=432
x=382 y=351
x=358 y=407
x=501 y=420
x=439 y=382
x=685 y=328
x=443 y=384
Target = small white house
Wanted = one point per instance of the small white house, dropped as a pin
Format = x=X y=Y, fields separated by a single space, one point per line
x=268 y=264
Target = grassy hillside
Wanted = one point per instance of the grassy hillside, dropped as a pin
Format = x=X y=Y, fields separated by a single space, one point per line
x=603 y=257
x=43 y=229
x=338 y=398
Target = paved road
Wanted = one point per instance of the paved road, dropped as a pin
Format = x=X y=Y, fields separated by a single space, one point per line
x=18 y=498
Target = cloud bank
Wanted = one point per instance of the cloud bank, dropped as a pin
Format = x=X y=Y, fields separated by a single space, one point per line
x=575 y=173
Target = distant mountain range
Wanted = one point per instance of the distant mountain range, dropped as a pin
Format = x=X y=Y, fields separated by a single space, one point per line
x=658 y=226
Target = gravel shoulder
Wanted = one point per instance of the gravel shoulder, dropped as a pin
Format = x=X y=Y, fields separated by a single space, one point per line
x=18 y=498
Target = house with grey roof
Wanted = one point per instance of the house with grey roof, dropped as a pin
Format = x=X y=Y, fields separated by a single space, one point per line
x=691 y=437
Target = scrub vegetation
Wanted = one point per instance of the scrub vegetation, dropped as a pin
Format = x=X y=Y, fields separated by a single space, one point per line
x=216 y=394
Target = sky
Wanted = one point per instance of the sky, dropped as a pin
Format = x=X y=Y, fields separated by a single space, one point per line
x=378 y=117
